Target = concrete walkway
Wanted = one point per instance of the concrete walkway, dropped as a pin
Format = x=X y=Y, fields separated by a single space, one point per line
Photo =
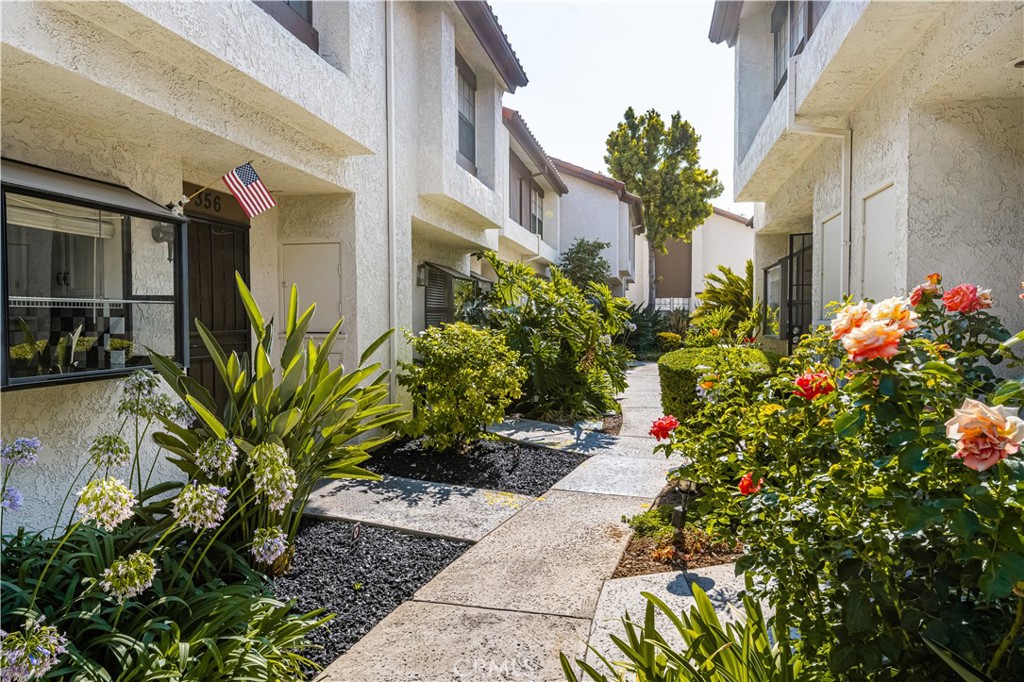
x=641 y=401
x=531 y=586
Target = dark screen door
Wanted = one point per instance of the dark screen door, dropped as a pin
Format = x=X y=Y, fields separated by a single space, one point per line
x=215 y=252
x=798 y=299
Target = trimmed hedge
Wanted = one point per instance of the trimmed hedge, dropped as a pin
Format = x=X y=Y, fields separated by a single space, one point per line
x=681 y=370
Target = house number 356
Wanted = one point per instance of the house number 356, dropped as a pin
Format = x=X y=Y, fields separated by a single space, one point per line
x=208 y=200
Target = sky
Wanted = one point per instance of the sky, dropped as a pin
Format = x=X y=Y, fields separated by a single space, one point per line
x=588 y=61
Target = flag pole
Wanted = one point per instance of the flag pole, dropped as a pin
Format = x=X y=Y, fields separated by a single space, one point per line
x=179 y=208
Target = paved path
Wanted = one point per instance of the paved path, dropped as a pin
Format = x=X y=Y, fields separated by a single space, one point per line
x=641 y=401
x=532 y=584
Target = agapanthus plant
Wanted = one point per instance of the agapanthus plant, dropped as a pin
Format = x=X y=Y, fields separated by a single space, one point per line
x=216 y=456
x=109 y=450
x=129 y=576
x=269 y=544
x=272 y=476
x=200 y=506
x=30 y=653
x=106 y=501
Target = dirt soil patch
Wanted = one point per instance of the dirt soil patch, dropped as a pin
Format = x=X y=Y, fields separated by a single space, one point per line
x=360 y=574
x=612 y=425
x=493 y=464
x=688 y=549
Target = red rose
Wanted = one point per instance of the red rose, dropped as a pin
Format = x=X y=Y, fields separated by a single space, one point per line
x=966 y=298
x=810 y=385
x=747 y=486
x=663 y=427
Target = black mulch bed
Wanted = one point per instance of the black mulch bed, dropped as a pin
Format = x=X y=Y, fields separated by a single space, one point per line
x=361 y=580
x=495 y=464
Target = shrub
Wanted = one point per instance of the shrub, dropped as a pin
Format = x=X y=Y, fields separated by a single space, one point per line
x=563 y=336
x=712 y=651
x=726 y=289
x=669 y=341
x=278 y=434
x=464 y=380
x=888 y=508
x=584 y=263
x=688 y=375
x=641 y=335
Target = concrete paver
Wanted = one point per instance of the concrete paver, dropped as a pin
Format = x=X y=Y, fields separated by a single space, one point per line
x=641 y=401
x=551 y=557
x=572 y=439
x=440 y=643
x=618 y=475
x=423 y=507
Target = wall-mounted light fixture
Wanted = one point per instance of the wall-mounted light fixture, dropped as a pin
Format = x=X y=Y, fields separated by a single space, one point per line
x=421 y=275
x=164 y=233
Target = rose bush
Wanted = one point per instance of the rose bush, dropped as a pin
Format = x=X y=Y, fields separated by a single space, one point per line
x=890 y=508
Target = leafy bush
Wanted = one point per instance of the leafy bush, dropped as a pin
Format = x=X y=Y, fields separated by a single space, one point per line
x=141 y=587
x=563 y=336
x=877 y=481
x=677 y=320
x=669 y=341
x=294 y=428
x=712 y=651
x=641 y=332
x=584 y=263
x=726 y=289
x=464 y=380
x=655 y=523
x=689 y=375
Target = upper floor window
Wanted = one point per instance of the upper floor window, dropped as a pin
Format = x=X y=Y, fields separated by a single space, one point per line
x=296 y=16
x=793 y=22
x=780 y=38
x=92 y=279
x=467 y=114
x=536 y=209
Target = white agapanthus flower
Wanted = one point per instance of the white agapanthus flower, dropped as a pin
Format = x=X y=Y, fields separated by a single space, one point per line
x=200 y=506
x=129 y=576
x=107 y=501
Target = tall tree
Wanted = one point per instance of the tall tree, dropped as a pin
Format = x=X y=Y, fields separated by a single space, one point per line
x=661 y=165
x=584 y=263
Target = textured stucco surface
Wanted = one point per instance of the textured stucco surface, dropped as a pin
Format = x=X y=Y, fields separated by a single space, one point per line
x=719 y=241
x=592 y=212
x=939 y=119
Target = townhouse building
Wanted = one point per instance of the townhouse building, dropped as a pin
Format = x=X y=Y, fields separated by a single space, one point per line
x=883 y=141
x=378 y=128
x=598 y=207
x=725 y=238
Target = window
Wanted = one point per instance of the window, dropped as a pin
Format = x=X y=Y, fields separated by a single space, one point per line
x=780 y=37
x=773 y=299
x=536 y=209
x=446 y=291
x=296 y=16
x=467 y=114
x=88 y=287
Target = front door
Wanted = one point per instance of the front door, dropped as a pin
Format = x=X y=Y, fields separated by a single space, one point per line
x=215 y=252
x=798 y=294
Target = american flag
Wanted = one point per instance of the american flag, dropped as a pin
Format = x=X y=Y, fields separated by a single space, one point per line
x=250 y=191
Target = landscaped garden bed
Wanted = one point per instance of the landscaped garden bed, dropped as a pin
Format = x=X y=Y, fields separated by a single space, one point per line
x=360 y=574
x=493 y=464
x=657 y=546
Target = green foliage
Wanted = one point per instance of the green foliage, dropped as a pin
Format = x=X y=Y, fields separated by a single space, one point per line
x=678 y=321
x=563 y=336
x=655 y=523
x=661 y=164
x=464 y=380
x=874 y=536
x=689 y=375
x=210 y=619
x=641 y=336
x=727 y=290
x=669 y=341
x=748 y=651
x=584 y=263
x=314 y=413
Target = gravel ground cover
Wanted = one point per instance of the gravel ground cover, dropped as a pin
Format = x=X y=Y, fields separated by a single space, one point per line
x=359 y=573
x=497 y=465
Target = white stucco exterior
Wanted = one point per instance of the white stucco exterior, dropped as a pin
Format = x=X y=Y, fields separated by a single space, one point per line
x=722 y=239
x=936 y=109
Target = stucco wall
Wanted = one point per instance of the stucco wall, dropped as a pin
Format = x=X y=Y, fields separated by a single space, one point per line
x=591 y=212
x=720 y=241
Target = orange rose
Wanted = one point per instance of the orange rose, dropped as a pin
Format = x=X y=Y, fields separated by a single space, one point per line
x=984 y=434
x=895 y=311
x=849 y=318
x=873 y=339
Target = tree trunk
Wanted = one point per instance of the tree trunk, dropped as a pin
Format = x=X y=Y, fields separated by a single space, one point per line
x=651 y=287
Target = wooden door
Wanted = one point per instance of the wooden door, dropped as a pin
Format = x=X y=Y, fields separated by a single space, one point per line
x=215 y=252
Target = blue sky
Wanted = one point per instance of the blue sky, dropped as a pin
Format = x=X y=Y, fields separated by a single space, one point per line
x=588 y=61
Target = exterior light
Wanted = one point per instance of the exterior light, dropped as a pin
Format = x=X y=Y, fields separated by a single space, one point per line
x=688 y=492
x=421 y=275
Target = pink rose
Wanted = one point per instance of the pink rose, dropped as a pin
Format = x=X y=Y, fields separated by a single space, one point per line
x=967 y=298
x=984 y=434
x=873 y=339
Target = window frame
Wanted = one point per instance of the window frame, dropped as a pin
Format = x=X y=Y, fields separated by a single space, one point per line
x=293 y=21
x=463 y=72
x=179 y=299
x=536 y=219
x=782 y=265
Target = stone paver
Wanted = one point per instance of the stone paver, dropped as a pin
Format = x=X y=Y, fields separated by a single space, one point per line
x=572 y=439
x=641 y=401
x=440 y=643
x=423 y=507
x=722 y=586
x=552 y=557
x=618 y=475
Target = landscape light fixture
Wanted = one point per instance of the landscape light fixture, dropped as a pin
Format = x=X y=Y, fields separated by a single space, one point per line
x=688 y=492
